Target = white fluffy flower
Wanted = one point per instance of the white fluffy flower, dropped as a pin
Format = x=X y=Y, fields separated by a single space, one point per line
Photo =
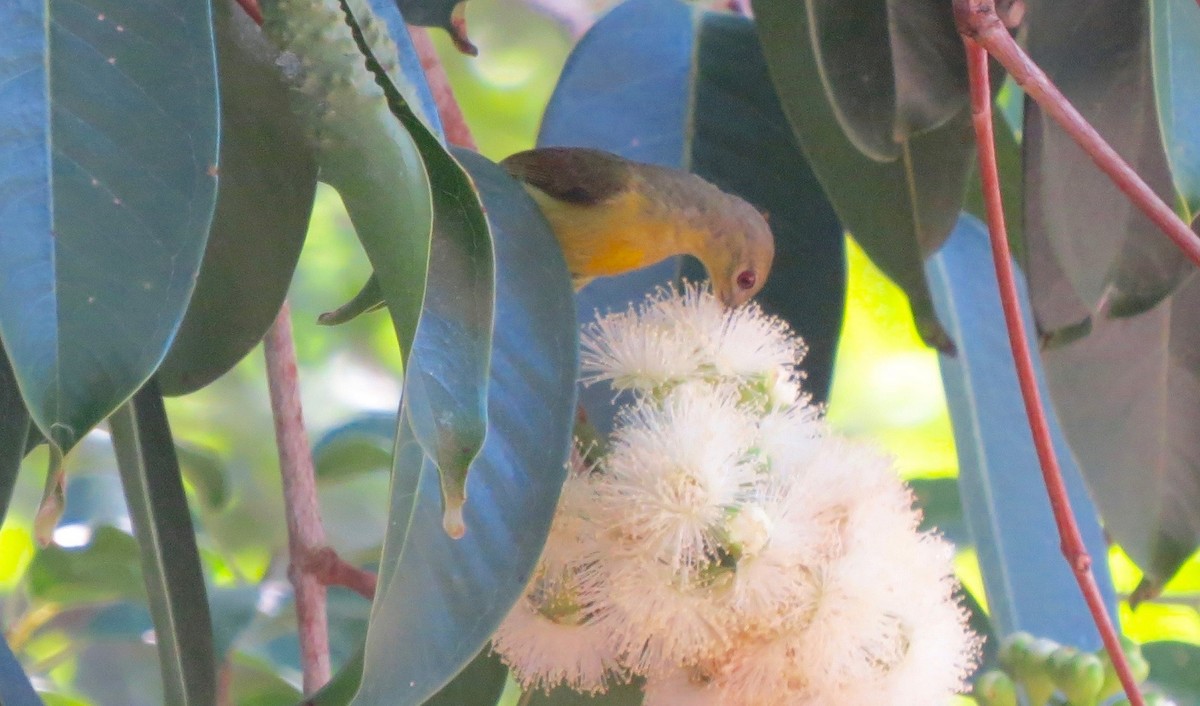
x=728 y=548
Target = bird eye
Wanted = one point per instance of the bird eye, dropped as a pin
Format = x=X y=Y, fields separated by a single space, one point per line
x=746 y=279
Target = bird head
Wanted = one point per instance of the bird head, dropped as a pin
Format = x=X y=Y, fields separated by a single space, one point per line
x=739 y=257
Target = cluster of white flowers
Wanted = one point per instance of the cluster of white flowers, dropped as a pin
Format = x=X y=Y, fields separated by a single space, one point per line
x=726 y=547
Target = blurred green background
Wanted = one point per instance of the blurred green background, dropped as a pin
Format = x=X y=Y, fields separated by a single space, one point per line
x=74 y=613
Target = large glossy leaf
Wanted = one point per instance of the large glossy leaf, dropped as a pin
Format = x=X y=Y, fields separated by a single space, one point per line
x=170 y=561
x=268 y=177
x=704 y=102
x=1098 y=53
x=367 y=155
x=107 y=186
x=440 y=599
x=1129 y=399
x=1175 y=54
x=914 y=201
x=1029 y=584
x=14 y=430
x=15 y=689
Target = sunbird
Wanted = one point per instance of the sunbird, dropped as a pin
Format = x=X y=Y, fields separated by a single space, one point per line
x=612 y=215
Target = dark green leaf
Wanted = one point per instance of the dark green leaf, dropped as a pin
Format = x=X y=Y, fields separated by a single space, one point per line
x=15 y=689
x=1175 y=52
x=440 y=599
x=1029 y=586
x=14 y=431
x=707 y=105
x=368 y=299
x=107 y=186
x=268 y=177
x=1175 y=667
x=104 y=570
x=1129 y=396
x=1098 y=54
x=393 y=51
x=170 y=561
x=914 y=200
x=367 y=155
x=450 y=15
x=480 y=683
x=620 y=695
x=852 y=55
x=362 y=445
x=928 y=64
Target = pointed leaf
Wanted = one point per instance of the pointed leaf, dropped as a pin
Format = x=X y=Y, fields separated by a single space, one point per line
x=707 y=104
x=460 y=295
x=170 y=560
x=1128 y=395
x=107 y=185
x=1029 y=585
x=914 y=200
x=268 y=177
x=1175 y=52
x=1098 y=53
x=14 y=430
x=15 y=689
x=440 y=599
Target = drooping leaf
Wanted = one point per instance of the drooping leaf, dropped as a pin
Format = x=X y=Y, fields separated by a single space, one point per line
x=366 y=154
x=459 y=298
x=440 y=599
x=169 y=557
x=107 y=185
x=703 y=102
x=15 y=688
x=929 y=65
x=1098 y=54
x=268 y=177
x=1128 y=395
x=368 y=299
x=14 y=431
x=1175 y=54
x=1029 y=584
x=914 y=200
x=1175 y=668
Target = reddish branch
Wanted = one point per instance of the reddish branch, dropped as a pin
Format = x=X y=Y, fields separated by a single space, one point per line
x=453 y=122
x=977 y=19
x=305 y=532
x=251 y=7
x=1072 y=542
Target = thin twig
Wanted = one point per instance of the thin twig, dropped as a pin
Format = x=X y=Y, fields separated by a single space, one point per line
x=305 y=532
x=453 y=121
x=977 y=20
x=332 y=570
x=1072 y=542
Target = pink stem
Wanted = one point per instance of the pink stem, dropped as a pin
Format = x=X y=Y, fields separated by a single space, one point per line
x=1071 y=541
x=453 y=121
x=305 y=531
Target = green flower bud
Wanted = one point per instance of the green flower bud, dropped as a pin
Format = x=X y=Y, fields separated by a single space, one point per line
x=1014 y=652
x=995 y=688
x=1081 y=679
x=1037 y=678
